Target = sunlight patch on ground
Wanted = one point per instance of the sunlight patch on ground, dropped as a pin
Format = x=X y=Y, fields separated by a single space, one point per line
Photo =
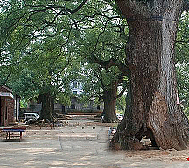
x=33 y=150
x=75 y=135
x=58 y=163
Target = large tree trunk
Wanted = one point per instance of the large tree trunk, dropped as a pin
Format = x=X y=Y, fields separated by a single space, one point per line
x=47 y=106
x=109 y=98
x=153 y=110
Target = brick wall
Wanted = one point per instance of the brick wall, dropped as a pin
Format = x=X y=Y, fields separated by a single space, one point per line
x=10 y=105
x=7 y=108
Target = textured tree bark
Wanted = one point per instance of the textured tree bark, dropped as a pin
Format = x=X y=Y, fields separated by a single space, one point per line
x=153 y=110
x=47 y=106
x=109 y=98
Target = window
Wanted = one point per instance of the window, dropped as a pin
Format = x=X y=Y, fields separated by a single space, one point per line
x=74 y=84
x=74 y=92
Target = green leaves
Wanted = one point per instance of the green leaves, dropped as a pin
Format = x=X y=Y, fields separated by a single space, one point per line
x=182 y=57
x=183 y=83
x=47 y=44
x=182 y=43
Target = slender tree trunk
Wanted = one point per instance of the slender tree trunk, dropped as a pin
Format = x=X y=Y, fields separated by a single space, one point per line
x=47 y=106
x=153 y=110
x=109 y=99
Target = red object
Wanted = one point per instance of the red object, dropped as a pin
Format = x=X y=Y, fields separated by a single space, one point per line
x=188 y=159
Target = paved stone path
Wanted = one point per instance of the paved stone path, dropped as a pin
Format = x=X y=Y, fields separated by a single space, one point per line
x=72 y=146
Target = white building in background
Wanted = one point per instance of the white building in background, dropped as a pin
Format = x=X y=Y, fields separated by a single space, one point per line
x=76 y=88
x=76 y=105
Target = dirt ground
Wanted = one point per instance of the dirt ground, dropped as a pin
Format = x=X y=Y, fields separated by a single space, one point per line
x=161 y=155
x=80 y=143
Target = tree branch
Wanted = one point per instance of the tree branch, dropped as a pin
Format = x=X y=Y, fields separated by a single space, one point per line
x=100 y=78
x=130 y=8
x=57 y=7
x=112 y=62
x=79 y=7
x=99 y=37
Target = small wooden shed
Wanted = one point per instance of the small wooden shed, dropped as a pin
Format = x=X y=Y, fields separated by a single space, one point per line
x=7 y=106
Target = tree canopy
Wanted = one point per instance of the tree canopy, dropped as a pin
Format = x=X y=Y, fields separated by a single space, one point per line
x=45 y=43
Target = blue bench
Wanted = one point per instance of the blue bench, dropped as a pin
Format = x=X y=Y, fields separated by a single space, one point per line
x=13 y=130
